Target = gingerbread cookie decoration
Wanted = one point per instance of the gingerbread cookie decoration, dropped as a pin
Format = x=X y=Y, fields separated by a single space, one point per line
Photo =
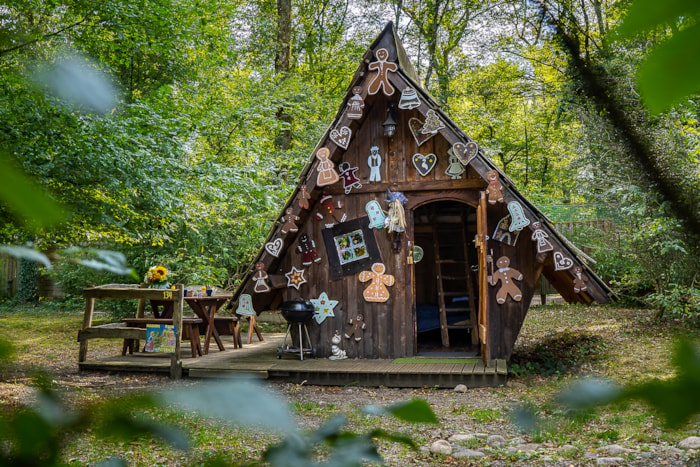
x=329 y=212
x=326 y=170
x=260 y=278
x=245 y=305
x=432 y=123
x=518 y=218
x=540 y=236
x=349 y=177
x=380 y=77
x=506 y=275
x=307 y=249
x=355 y=104
x=289 y=222
x=377 y=291
x=304 y=198
x=493 y=190
x=374 y=161
x=358 y=325
x=580 y=280
x=455 y=169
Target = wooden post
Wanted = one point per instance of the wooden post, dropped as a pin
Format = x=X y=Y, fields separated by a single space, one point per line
x=87 y=322
x=175 y=361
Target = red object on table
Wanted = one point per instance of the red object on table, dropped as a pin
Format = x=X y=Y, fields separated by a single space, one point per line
x=206 y=308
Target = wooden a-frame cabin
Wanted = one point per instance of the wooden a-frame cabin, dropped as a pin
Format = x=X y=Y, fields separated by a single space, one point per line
x=457 y=280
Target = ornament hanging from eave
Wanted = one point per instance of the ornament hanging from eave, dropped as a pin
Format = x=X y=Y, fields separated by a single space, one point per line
x=561 y=262
x=494 y=189
x=416 y=126
x=355 y=104
x=326 y=170
x=357 y=325
x=540 y=236
x=379 y=79
x=503 y=234
x=377 y=291
x=507 y=277
x=520 y=220
x=289 y=222
x=580 y=280
x=465 y=152
x=245 y=305
x=455 y=169
x=424 y=164
x=348 y=175
x=409 y=99
x=374 y=161
x=260 y=277
x=341 y=136
x=307 y=249
x=323 y=307
x=274 y=247
x=432 y=123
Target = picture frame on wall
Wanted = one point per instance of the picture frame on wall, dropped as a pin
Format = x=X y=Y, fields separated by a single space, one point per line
x=351 y=247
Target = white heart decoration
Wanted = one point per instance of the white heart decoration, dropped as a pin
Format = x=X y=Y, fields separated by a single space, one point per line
x=274 y=247
x=424 y=163
x=561 y=262
x=341 y=137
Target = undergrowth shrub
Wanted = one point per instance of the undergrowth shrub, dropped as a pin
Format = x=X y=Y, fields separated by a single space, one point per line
x=679 y=302
x=563 y=353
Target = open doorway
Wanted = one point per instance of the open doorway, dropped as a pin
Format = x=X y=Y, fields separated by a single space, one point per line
x=446 y=279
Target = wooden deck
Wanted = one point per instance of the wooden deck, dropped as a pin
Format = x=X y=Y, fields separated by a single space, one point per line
x=260 y=359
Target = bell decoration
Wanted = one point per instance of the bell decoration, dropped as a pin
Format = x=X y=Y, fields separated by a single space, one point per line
x=409 y=99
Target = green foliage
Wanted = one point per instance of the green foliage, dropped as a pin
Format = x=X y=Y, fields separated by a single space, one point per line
x=680 y=302
x=36 y=435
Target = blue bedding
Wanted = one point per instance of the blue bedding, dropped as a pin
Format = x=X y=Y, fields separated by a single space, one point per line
x=428 y=315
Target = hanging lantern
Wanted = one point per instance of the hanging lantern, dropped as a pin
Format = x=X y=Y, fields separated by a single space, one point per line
x=389 y=124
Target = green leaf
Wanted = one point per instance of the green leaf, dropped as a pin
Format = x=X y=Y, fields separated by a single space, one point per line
x=239 y=401
x=644 y=15
x=671 y=71
x=414 y=410
x=588 y=393
x=29 y=254
x=25 y=199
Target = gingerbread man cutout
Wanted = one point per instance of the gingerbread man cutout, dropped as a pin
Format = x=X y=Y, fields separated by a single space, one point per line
x=579 y=280
x=260 y=278
x=506 y=275
x=381 y=68
x=327 y=211
x=289 y=222
x=326 y=170
x=377 y=291
x=493 y=190
x=349 y=177
x=304 y=197
x=358 y=325
x=307 y=248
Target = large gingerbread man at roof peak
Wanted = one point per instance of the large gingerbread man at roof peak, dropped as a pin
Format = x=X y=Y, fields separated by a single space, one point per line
x=380 y=77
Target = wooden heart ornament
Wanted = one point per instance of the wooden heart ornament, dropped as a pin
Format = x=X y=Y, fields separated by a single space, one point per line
x=561 y=262
x=341 y=137
x=274 y=247
x=424 y=163
x=416 y=126
x=465 y=152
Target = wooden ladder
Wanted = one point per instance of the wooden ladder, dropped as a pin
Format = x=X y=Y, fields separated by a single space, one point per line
x=453 y=289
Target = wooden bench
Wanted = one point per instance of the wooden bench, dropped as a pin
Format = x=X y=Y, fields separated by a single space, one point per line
x=226 y=326
x=190 y=331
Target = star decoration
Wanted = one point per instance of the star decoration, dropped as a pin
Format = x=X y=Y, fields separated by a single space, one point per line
x=295 y=278
x=324 y=307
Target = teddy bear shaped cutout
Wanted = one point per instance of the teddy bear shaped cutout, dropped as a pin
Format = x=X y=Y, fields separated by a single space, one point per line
x=493 y=190
x=358 y=325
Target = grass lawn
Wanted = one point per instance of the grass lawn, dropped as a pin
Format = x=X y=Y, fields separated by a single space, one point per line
x=557 y=344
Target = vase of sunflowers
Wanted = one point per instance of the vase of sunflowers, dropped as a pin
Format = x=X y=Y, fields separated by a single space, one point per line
x=157 y=277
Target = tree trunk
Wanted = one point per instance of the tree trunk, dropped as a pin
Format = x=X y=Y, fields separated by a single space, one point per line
x=283 y=139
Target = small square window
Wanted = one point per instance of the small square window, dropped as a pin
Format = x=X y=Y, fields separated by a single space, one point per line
x=351 y=247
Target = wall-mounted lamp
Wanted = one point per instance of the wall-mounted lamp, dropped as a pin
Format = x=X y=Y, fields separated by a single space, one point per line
x=390 y=123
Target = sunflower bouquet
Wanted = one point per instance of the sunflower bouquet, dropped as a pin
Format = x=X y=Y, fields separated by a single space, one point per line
x=157 y=277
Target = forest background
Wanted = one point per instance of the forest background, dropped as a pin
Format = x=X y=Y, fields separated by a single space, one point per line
x=203 y=114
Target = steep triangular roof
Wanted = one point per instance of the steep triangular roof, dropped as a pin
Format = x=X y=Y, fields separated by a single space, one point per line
x=404 y=77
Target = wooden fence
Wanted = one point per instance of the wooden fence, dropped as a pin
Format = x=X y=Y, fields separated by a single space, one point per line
x=8 y=276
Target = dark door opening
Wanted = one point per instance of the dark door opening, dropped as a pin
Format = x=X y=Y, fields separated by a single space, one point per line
x=446 y=279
